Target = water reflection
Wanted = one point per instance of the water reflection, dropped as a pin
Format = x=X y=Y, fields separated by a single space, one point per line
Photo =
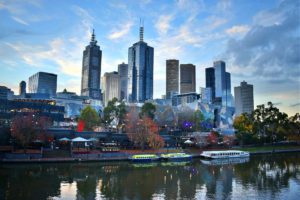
x=226 y=161
x=263 y=177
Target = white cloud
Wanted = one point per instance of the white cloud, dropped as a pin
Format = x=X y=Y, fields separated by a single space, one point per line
x=121 y=31
x=20 y=21
x=163 y=23
x=238 y=30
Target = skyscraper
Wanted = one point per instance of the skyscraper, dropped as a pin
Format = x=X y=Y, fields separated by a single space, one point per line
x=111 y=86
x=220 y=78
x=210 y=80
x=22 y=88
x=43 y=82
x=172 y=77
x=91 y=70
x=228 y=96
x=140 y=71
x=187 y=78
x=244 y=102
x=123 y=72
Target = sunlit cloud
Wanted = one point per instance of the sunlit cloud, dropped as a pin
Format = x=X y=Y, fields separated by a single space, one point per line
x=163 y=23
x=238 y=30
x=21 y=21
x=121 y=31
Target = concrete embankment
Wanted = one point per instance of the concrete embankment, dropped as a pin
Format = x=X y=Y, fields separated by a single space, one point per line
x=118 y=159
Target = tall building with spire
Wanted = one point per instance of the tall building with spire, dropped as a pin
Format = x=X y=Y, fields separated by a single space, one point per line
x=91 y=70
x=140 y=70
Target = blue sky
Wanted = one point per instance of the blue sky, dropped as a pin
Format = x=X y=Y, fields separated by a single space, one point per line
x=258 y=40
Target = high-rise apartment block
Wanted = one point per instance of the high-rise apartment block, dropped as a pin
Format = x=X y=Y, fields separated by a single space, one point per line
x=91 y=70
x=244 y=100
x=123 y=72
x=187 y=78
x=140 y=71
x=111 y=86
x=44 y=83
x=172 y=78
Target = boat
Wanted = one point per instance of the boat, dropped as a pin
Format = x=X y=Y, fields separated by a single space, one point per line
x=144 y=158
x=175 y=157
x=224 y=154
x=229 y=161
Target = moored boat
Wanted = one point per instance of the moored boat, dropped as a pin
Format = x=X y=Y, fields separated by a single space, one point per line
x=224 y=154
x=176 y=157
x=144 y=158
x=228 y=161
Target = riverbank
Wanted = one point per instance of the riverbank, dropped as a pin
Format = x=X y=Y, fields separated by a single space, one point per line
x=124 y=156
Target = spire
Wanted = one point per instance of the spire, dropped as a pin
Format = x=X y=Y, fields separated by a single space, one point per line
x=93 y=36
x=141 y=30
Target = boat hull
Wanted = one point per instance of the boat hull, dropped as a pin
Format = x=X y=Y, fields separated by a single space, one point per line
x=143 y=160
x=224 y=154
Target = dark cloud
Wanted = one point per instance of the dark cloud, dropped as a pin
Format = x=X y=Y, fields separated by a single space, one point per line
x=271 y=48
x=295 y=105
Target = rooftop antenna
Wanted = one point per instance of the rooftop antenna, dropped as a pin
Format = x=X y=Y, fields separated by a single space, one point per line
x=93 y=36
x=141 y=30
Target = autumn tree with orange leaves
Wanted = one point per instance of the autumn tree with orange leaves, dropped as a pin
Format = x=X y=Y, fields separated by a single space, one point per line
x=142 y=131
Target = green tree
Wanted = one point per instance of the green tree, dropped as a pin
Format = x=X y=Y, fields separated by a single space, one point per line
x=90 y=118
x=148 y=110
x=244 y=127
x=114 y=111
x=198 y=117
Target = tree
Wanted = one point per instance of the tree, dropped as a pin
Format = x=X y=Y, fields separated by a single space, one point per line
x=244 y=127
x=185 y=118
x=156 y=141
x=198 y=118
x=89 y=118
x=114 y=112
x=148 y=110
x=142 y=131
x=294 y=128
x=26 y=128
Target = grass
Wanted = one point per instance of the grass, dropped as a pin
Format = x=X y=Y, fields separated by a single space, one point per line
x=269 y=148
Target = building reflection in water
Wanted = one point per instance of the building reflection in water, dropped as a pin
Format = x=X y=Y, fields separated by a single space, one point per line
x=263 y=177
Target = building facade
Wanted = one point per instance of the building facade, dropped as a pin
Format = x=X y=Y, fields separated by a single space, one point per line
x=244 y=100
x=220 y=78
x=123 y=72
x=22 y=88
x=91 y=70
x=6 y=93
x=43 y=83
x=206 y=95
x=172 y=78
x=140 y=71
x=111 y=86
x=210 y=81
x=187 y=78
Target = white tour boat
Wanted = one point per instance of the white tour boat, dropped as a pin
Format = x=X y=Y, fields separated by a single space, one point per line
x=225 y=154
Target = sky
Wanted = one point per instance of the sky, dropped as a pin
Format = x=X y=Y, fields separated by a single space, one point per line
x=258 y=40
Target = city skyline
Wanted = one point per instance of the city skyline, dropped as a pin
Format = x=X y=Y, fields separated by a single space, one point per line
x=247 y=41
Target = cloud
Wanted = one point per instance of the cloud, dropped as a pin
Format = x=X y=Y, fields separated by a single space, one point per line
x=271 y=51
x=121 y=31
x=163 y=23
x=237 y=30
x=20 y=21
x=295 y=105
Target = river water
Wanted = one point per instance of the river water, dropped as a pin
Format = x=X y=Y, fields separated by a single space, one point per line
x=265 y=177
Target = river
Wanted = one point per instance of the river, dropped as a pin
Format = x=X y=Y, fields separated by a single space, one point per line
x=264 y=177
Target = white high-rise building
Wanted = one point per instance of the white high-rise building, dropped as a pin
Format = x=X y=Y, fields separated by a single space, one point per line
x=111 y=86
